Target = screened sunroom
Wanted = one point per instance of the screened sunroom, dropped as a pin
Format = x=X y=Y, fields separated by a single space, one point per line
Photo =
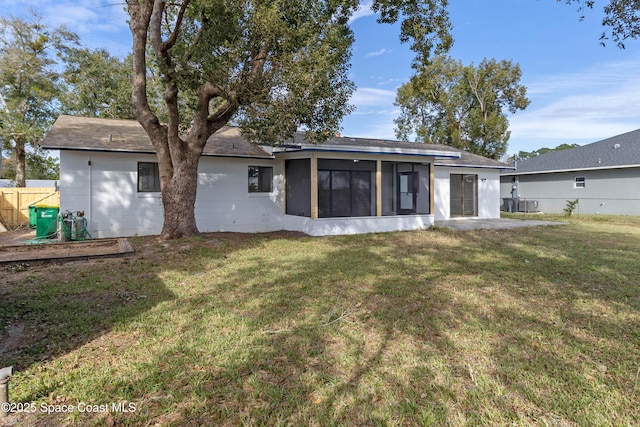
x=351 y=188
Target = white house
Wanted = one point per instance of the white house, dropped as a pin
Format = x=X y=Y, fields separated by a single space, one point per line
x=108 y=169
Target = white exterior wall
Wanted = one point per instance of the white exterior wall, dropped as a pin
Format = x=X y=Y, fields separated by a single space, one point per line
x=115 y=208
x=224 y=202
x=356 y=225
x=104 y=185
x=488 y=191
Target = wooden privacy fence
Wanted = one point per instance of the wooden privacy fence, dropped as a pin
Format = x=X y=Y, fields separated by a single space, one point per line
x=15 y=202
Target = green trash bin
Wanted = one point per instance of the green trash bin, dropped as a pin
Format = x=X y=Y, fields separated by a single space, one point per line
x=32 y=216
x=46 y=221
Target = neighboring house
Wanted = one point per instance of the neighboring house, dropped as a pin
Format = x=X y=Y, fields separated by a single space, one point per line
x=108 y=169
x=604 y=176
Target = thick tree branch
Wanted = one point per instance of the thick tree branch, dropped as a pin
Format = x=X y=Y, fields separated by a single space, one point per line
x=140 y=12
x=155 y=26
x=206 y=124
x=168 y=44
x=257 y=66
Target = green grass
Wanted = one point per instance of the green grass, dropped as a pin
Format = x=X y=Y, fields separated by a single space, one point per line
x=536 y=326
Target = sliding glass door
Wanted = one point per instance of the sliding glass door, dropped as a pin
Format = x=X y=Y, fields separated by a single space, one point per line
x=463 y=195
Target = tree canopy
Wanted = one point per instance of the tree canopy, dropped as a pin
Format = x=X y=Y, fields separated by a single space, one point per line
x=29 y=83
x=97 y=84
x=621 y=19
x=39 y=165
x=465 y=107
x=523 y=155
x=272 y=67
x=33 y=90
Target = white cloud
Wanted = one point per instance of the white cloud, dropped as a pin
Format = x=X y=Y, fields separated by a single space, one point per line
x=367 y=96
x=582 y=107
x=363 y=11
x=99 y=23
x=595 y=103
x=374 y=114
x=88 y=16
x=380 y=52
x=378 y=130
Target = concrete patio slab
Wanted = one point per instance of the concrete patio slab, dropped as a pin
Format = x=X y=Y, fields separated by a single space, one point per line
x=493 y=224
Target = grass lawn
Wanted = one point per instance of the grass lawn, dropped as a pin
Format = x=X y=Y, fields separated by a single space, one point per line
x=536 y=326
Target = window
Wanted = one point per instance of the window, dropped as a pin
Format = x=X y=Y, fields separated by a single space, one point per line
x=260 y=179
x=578 y=182
x=148 y=178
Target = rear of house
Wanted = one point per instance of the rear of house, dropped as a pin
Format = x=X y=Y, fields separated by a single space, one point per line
x=345 y=186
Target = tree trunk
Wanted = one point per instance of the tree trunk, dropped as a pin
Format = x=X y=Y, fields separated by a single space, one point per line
x=20 y=165
x=179 y=199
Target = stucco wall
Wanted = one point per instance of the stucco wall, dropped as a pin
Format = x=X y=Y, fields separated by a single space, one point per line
x=104 y=185
x=115 y=208
x=488 y=191
x=610 y=191
x=224 y=203
x=356 y=225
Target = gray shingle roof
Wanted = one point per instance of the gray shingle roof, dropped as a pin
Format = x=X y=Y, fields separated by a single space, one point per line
x=462 y=158
x=93 y=134
x=83 y=133
x=472 y=160
x=379 y=143
x=615 y=152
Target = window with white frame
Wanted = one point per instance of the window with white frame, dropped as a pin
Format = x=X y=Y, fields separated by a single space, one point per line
x=579 y=182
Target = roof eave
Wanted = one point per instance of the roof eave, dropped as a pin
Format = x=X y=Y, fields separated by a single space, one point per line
x=112 y=150
x=573 y=170
x=371 y=150
x=468 y=165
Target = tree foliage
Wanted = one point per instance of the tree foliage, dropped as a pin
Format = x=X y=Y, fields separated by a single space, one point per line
x=96 y=84
x=39 y=165
x=273 y=67
x=621 y=18
x=465 y=107
x=523 y=155
x=29 y=83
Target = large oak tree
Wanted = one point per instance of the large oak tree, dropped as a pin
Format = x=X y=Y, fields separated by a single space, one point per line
x=271 y=66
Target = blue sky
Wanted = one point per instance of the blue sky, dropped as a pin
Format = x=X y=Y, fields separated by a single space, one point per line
x=580 y=92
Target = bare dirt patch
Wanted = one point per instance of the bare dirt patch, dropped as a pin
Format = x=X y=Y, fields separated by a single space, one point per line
x=47 y=251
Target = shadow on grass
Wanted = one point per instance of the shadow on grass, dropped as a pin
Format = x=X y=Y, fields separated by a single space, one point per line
x=47 y=311
x=421 y=328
